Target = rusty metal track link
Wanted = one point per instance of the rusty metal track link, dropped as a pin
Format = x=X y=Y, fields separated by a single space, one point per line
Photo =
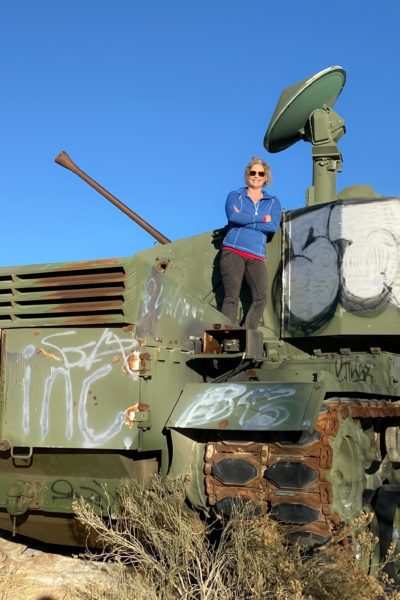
x=291 y=481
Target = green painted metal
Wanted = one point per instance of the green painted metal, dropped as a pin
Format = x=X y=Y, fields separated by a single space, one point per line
x=50 y=482
x=251 y=406
x=297 y=102
x=69 y=388
x=56 y=294
x=304 y=111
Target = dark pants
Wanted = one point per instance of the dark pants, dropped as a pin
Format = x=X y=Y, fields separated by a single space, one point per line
x=233 y=268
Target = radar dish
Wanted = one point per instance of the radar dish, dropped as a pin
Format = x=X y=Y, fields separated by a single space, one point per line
x=296 y=104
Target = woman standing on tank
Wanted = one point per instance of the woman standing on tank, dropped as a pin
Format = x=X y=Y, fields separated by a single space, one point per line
x=252 y=215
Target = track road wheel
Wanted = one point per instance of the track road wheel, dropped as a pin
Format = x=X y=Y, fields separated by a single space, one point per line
x=312 y=485
x=349 y=458
x=319 y=485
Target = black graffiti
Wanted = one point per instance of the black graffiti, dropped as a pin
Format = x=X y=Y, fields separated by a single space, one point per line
x=353 y=371
x=96 y=493
x=318 y=259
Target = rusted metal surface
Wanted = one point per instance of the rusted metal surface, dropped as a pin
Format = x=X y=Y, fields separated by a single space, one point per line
x=79 y=293
x=80 y=306
x=211 y=346
x=316 y=457
x=66 y=279
x=85 y=292
x=90 y=319
x=8 y=273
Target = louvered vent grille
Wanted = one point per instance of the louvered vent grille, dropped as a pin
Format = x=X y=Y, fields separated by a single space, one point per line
x=85 y=293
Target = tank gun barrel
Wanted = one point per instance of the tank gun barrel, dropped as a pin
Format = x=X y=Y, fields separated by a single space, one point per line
x=66 y=161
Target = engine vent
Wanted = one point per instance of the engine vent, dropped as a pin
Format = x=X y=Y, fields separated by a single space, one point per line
x=82 y=293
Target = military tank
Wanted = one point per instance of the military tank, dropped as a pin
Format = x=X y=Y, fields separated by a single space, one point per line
x=123 y=368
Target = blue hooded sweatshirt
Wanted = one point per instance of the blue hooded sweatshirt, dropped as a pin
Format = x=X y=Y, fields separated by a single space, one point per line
x=247 y=229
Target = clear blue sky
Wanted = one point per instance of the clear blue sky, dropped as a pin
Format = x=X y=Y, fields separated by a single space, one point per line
x=164 y=102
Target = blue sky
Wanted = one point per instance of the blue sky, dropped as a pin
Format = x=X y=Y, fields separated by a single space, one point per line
x=164 y=102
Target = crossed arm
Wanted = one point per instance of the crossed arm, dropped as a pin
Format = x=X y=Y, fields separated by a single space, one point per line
x=267 y=221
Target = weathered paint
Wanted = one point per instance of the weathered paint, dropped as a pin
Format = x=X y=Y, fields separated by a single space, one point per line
x=161 y=299
x=342 y=257
x=245 y=406
x=69 y=388
x=89 y=291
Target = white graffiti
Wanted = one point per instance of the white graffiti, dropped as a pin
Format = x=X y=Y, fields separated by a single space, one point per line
x=89 y=434
x=48 y=384
x=347 y=253
x=26 y=382
x=158 y=302
x=91 y=360
x=86 y=355
x=254 y=408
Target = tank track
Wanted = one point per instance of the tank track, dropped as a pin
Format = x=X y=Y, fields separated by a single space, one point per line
x=313 y=485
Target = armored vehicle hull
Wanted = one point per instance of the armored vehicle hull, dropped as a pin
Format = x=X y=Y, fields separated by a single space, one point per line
x=123 y=368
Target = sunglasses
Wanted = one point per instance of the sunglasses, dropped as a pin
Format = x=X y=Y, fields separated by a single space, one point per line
x=260 y=173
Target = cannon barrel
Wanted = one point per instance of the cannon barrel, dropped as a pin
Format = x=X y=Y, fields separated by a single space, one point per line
x=66 y=161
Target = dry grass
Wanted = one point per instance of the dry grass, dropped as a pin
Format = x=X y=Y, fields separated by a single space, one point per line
x=158 y=549
x=16 y=585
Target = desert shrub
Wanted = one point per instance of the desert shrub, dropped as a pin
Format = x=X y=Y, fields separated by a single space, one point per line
x=158 y=549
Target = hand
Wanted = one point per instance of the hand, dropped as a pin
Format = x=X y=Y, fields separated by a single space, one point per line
x=266 y=218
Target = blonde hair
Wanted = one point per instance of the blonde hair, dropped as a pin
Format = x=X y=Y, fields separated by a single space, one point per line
x=256 y=160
